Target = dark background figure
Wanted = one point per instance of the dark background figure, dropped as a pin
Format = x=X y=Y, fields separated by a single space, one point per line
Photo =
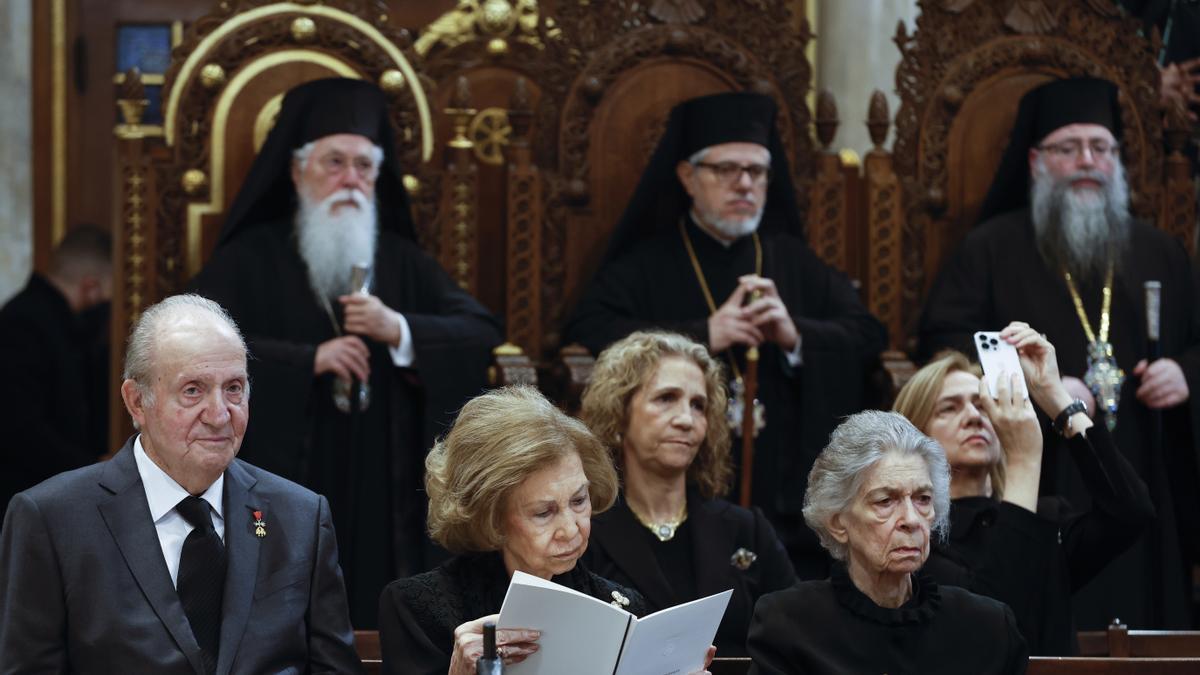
x=325 y=193
x=54 y=374
x=713 y=220
x=1060 y=203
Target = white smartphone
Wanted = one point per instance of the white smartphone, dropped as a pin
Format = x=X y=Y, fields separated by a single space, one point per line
x=998 y=358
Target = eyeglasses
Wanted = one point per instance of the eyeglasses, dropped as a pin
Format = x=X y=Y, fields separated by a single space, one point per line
x=731 y=172
x=336 y=163
x=1073 y=149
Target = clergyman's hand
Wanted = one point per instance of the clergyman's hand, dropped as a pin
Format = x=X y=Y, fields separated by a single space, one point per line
x=367 y=315
x=346 y=357
x=730 y=325
x=1163 y=384
x=768 y=312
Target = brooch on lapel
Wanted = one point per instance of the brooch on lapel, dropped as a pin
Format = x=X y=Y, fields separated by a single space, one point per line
x=619 y=600
x=743 y=558
x=260 y=526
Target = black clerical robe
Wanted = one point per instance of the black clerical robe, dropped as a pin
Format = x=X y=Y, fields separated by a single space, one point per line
x=1034 y=562
x=418 y=615
x=832 y=627
x=46 y=388
x=997 y=277
x=722 y=546
x=655 y=286
x=370 y=467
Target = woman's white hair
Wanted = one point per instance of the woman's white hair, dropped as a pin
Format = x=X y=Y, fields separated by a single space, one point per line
x=854 y=447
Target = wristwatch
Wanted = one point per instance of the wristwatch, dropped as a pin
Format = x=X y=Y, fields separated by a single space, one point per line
x=1062 y=422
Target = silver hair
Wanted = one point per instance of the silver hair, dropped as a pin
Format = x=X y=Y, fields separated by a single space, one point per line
x=139 y=353
x=301 y=154
x=854 y=447
x=699 y=155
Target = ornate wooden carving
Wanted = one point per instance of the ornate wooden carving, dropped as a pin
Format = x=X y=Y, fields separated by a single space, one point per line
x=510 y=366
x=885 y=227
x=460 y=182
x=524 y=301
x=571 y=372
x=967 y=64
x=828 y=225
x=1178 y=215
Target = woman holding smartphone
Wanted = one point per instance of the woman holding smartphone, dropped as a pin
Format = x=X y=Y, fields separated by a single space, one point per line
x=1005 y=542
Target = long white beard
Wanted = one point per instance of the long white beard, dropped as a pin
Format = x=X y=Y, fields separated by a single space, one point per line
x=331 y=244
x=1082 y=231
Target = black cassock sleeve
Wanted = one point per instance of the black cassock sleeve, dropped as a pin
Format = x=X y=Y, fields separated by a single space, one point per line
x=959 y=302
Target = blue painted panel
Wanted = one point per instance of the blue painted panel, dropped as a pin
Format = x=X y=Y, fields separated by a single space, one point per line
x=148 y=47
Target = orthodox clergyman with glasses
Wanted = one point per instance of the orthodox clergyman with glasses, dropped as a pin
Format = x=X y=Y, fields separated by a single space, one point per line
x=355 y=372
x=1057 y=248
x=712 y=245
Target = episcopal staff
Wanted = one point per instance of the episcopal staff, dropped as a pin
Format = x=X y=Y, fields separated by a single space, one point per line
x=713 y=220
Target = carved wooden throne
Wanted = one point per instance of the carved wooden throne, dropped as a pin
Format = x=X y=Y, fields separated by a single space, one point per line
x=220 y=98
x=961 y=76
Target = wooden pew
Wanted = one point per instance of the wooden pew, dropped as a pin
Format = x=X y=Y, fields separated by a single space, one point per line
x=1054 y=665
x=1119 y=641
x=366 y=642
x=730 y=665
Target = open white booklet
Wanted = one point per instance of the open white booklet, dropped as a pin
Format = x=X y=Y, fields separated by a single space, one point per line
x=585 y=636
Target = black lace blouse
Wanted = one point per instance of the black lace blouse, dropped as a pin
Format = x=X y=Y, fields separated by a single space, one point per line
x=418 y=615
x=832 y=627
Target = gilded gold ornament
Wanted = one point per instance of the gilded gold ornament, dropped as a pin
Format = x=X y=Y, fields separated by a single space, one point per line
x=392 y=81
x=304 y=29
x=212 y=76
x=193 y=181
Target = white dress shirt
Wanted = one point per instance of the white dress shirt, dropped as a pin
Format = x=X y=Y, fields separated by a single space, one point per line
x=403 y=353
x=163 y=493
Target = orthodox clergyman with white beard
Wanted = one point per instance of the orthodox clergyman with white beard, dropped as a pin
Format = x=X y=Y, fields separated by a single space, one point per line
x=1058 y=249
x=353 y=377
x=711 y=245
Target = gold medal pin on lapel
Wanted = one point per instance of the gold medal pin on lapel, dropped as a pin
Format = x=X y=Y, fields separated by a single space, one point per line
x=260 y=526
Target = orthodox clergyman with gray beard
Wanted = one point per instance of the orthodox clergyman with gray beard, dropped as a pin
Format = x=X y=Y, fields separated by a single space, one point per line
x=711 y=245
x=354 y=374
x=1057 y=248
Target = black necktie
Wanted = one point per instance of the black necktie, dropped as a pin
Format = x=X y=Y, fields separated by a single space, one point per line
x=201 y=581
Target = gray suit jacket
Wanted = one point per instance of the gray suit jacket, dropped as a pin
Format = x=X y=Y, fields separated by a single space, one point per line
x=84 y=587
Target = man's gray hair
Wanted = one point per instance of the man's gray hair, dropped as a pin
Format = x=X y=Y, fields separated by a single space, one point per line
x=699 y=155
x=139 y=353
x=301 y=154
x=854 y=447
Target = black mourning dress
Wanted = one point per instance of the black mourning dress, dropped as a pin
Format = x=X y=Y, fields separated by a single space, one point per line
x=697 y=562
x=831 y=627
x=418 y=615
x=997 y=277
x=1034 y=562
x=655 y=286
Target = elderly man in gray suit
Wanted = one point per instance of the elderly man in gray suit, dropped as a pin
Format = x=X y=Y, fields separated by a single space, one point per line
x=174 y=557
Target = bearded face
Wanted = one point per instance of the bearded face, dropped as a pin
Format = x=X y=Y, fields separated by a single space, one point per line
x=1080 y=206
x=334 y=234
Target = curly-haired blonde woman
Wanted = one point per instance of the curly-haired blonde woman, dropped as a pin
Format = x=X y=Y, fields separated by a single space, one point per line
x=657 y=400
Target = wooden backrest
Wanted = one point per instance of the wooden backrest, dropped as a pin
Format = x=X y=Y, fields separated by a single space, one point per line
x=366 y=643
x=1052 y=665
x=961 y=76
x=1118 y=640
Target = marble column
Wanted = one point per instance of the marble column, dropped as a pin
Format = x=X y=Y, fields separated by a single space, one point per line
x=856 y=56
x=16 y=134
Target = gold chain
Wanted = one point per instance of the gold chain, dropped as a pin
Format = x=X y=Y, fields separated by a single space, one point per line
x=665 y=531
x=712 y=305
x=1105 y=307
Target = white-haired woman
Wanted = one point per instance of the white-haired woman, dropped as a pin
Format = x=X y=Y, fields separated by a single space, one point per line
x=877 y=496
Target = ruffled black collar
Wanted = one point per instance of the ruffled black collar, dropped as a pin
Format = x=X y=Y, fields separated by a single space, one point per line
x=920 y=609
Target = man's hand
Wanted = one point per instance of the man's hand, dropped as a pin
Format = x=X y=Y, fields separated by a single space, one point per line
x=768 y=312
x=1163 y=384
x=346 y=357
x=367 y=315
x=730 y=324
